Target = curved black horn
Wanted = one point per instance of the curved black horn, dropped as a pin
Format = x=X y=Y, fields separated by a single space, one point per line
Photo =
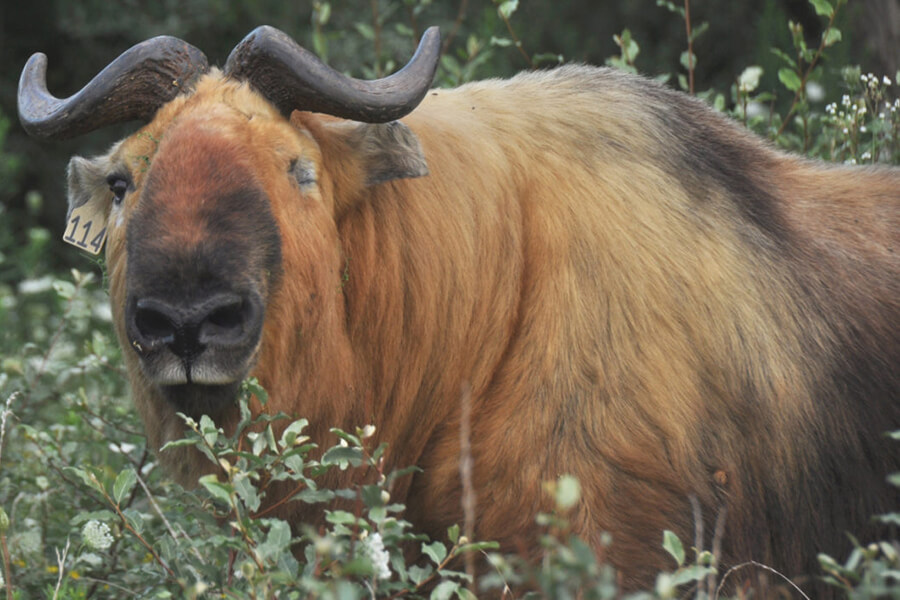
x=132 y=87
x=291 y=77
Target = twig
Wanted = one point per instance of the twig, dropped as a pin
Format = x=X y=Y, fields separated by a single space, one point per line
x=718 y=536
x=460 y=17
x=6 y=412
x=465 y=475
x=753 y=563
x=516 y=40
x=156 y=557
x=800 y=90
x=115 y=586
x=698 y=532
x=690 y=41
x=159 y=511
x=7 y=566
x=61 y=561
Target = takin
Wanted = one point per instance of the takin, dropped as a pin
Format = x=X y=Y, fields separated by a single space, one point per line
x=623 y=284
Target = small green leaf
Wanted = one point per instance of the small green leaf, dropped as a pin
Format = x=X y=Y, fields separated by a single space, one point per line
x=89 y=479
x=341 y=456
x=64 y=289
x=340 y=517
x=453 y=534
x=688 y=60
x=314 y=496
x=507 y=8
x=365 y=30
x=136 y=519
x=673 y=546
x=691 y=574
x=419 y=574
x=277 y=541
x=124 y=483
x=784 y=57
x=436 y=551
x=324 y=13
x=291 y=435
x=216 y=488
x=351 y=439
x=699 y=30
x=478 y=547
x=748 y=80
x=209 y=430
x=831 y=36
x=179 y=443
x=444 y=590
x=371 y=496
x=247 y=491
x=823 y=7
x=252 y=386
x=789 y=78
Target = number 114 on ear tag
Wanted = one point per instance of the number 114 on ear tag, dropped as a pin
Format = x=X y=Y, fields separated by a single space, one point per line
x=87 y=227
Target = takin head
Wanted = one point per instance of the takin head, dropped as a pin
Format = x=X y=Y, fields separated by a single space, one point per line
x=198 y=198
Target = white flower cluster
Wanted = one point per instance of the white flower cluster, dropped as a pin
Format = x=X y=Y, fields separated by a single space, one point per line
x=373 y=548
x=872 y=81
x=96 y=535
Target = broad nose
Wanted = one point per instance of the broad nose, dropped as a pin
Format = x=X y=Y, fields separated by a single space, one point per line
x=187 y=330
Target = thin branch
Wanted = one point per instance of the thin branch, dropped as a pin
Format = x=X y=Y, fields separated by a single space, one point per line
x=460 y=17
x=104 y=582
x=61 y=561
x=7 y=566
x=7 y=410
x=753 y=563
x=690 y=41
x=516 y=40
x=156 y=557
x=801 y=90
x=465 y=474
x=718 y=536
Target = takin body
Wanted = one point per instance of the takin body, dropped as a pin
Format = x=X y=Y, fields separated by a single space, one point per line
x=627 y=286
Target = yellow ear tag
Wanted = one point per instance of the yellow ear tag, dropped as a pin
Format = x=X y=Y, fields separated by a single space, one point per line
x=87 y=226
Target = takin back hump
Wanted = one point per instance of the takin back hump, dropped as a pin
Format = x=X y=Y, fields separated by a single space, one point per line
x=691 y=313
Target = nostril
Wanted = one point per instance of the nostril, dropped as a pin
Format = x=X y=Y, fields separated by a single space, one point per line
x=227 y=320
x=227 y=317
x=154 y=326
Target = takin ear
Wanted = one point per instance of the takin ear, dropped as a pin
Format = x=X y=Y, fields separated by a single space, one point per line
x=358 y=155
x=388 y=151
x=86 y=182
x=385 y=151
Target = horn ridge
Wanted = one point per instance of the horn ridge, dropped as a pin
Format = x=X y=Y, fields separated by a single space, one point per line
x=292 y=77
x=132 y=87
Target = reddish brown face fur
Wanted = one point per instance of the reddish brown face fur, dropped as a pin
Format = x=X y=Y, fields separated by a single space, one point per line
x=204 y=251
x=632 y=289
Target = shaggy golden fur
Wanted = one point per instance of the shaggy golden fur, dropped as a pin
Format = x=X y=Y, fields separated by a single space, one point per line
x=636 y=291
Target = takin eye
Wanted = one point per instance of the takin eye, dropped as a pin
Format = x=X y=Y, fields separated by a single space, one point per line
x=303 y=172
x=118 y=185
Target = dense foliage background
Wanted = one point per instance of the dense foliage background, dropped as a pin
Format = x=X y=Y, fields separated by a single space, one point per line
x=84 y=512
